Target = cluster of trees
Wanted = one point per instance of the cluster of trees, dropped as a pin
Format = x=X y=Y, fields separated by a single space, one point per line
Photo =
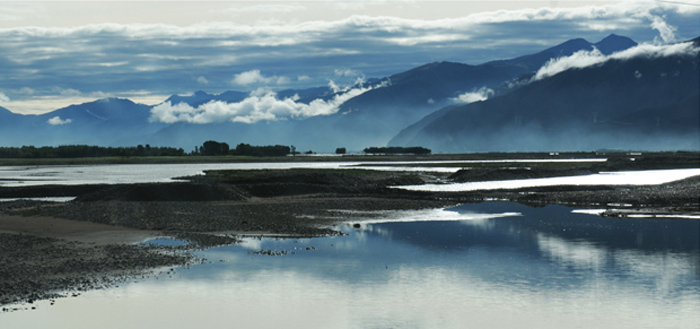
x=268 y=151
x=397 y=150
x=86 y=151
x=214 y=148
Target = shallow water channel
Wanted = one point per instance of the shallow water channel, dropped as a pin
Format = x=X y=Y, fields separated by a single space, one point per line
x=489 y=265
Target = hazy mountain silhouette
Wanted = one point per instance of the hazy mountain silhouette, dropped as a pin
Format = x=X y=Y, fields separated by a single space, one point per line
x=419 y=99
x=376 y=116
x=638 y=103
x=109 y=121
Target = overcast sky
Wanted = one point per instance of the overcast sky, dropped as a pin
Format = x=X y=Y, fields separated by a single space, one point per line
x=53 y=54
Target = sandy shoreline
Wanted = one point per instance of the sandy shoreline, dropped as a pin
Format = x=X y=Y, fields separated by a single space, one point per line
x=73 y=231
x=95 y=234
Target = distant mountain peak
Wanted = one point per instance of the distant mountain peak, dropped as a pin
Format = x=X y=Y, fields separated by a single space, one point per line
x=614 y=43
x=569 y=47
x=613 y=36
x=112 y=100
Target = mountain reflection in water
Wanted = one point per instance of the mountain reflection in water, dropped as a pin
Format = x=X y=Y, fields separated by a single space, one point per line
x=544 y=268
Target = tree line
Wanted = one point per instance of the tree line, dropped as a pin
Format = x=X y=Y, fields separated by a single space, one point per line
x=87 y=151
x=209 y=148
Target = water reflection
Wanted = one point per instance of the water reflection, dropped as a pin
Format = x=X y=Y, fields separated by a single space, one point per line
x=544 y=268
x=640 y=177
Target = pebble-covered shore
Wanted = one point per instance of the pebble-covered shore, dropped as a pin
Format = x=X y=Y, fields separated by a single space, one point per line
x=34 y=268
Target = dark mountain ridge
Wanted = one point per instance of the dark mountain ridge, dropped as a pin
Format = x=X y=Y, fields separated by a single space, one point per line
x=376 y=116
x=637 y=103
x=531 y=63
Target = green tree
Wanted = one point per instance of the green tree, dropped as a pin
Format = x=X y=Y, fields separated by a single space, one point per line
x=212 y=148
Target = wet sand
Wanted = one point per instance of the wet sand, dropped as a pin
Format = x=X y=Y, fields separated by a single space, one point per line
x=73 y=231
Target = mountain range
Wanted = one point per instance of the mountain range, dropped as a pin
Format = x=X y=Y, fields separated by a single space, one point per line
x=637 y=103
x=644 y=102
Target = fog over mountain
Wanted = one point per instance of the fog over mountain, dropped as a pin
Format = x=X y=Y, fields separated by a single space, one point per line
x=376 y=113
x=644 y=98
x=575 y=95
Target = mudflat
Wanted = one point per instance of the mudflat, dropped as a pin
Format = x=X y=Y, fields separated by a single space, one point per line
x=49 y=250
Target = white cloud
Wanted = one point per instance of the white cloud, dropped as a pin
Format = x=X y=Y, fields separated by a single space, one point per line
x=666 y=32
x=202 y=80
x=70 y=92
x=481 y=94
x=259 y=106
x=255 y=77
x=302 y=78
x=656 y=51
x=584 y=58
x=247 y=78
x=57 y=121
x=4 y=98
x=334 y=87
x=379 y=43
x=347 y=73
x=578 y=59
x=423 y=30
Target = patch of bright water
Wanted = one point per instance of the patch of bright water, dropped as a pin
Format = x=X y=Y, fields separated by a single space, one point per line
x=545 y=268
x=642 y=177
x=633 y=215
x=52 y=199
x=423 y=215
x=165 y=242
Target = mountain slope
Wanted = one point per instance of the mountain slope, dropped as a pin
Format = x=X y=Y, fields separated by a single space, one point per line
x=370 y=119
x=638 y=103
x=376 y=116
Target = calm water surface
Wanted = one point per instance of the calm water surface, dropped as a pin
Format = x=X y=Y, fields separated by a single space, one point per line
x=490 y=265
x=156 y=173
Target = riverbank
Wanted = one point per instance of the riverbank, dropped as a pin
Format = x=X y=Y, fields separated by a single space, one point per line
x=680 y=159
x=52 y=249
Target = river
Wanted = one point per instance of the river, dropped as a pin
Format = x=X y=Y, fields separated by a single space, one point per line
x=489 y=265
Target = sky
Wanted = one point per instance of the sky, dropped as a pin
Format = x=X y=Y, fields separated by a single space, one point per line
x=53 y=54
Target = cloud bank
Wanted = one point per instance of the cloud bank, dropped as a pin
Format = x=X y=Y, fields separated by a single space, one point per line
x=115 y=58
x=585 y=58
x=259 y=106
